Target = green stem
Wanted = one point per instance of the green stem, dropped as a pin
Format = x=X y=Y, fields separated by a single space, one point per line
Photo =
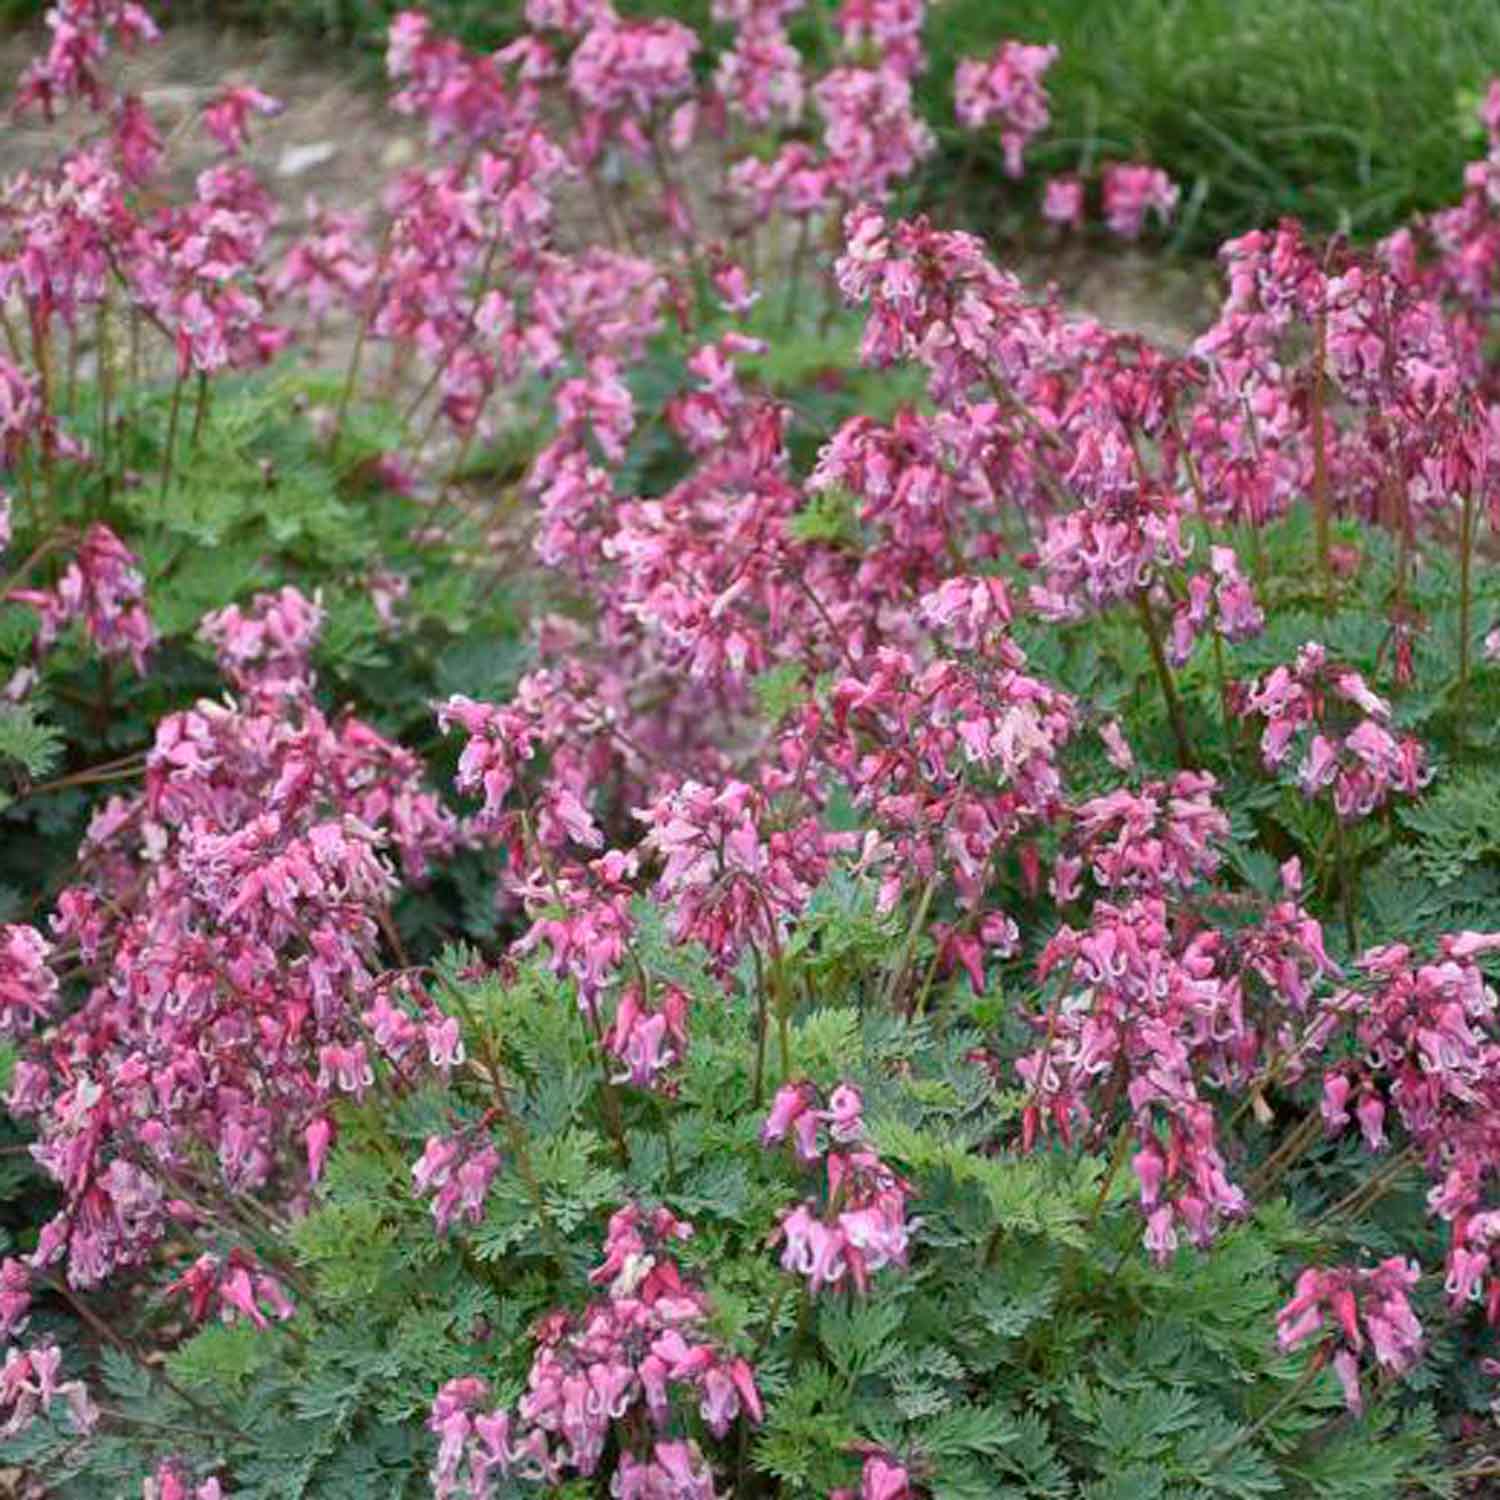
x=356 y=355
x=1347 y=878
x=1320 y=460
x=1305 y=1379
x=1367 y=1194
x=762 y=1025
x=111 y=1336
x=783 y=1024
x=516 y=1136
x=200 y=411
x=1285 y=1155
x=794 y=281
x=1465 y=605
x=1164 y=680
x=1116 y=1161
x=909 y=948
x=106 y=382
x=172 y=421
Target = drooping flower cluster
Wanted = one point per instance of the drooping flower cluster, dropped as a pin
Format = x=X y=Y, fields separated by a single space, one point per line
x=1144 y=1013
x=649 y=1041
x=862 y=1226
x=236 y=1285
x=1006 y=89
x=265 y=650
x=1362 y=766
x=81 y=34
x=1133 y=191
x=28 y=987
x=613 y=1368
x=1221 y=599
x=1344 y=1307
x=30 y=1383
x=102 y=586
x=227 y=923
x=1164 y=837
x=168 y=1484
x=725 y=883
x=457 y=1171
x=966 y=759
x=227 y=117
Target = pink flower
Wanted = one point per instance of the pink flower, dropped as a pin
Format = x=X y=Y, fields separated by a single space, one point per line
x=649 y=1042
x=872 y=135
x=1006 y=89
x=227 y=118
x=845 y=1114
x=1354 y=1303
x=884 y=1479
x=632 y=67
x=15 y=1296
x=891 y=29
x=1132 y=191
x=319 y=1137
x=1062 y=202
x=457 y=1171
x=104 y=588
x=267 y=648
x=28 y=987
x=792 y=1112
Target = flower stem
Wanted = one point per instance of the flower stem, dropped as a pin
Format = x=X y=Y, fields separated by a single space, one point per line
x=1305 y=1379
x=1320 y=460
x=1347 y=878
x=1116 y=1161
x=172 y=421
x=1370 y=1192
x=898 y=975
x=1164 y=680
x=762 y=1024
x=1465 y=606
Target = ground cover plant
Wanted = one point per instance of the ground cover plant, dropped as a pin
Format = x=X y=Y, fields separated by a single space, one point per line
x=736 y=856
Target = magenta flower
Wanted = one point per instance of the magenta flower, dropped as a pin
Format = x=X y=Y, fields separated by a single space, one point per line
x=649 y=1042
x=614 y=1367
x=28 y=987
x=1063 y=202
x=1006 y=90
x=227 y=118
x=1352 y=1305
x=1133 y=191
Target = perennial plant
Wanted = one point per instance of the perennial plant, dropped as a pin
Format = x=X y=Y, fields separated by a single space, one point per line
x=746 y=859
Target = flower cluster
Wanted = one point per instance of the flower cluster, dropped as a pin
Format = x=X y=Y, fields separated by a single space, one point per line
x=28 y=987
x=227 y=923
x=458 y=1173
x=1006 y=89
x=30 y=1383
x=1143 y=1008
x=1361 y=766
x=236 y=1285
x=103 y=587
x=612 y=1368
x=649 y=1041
x=1346 y=1306
x=862 y=1227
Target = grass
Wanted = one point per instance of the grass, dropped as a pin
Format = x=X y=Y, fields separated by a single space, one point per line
x=1348 y=114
